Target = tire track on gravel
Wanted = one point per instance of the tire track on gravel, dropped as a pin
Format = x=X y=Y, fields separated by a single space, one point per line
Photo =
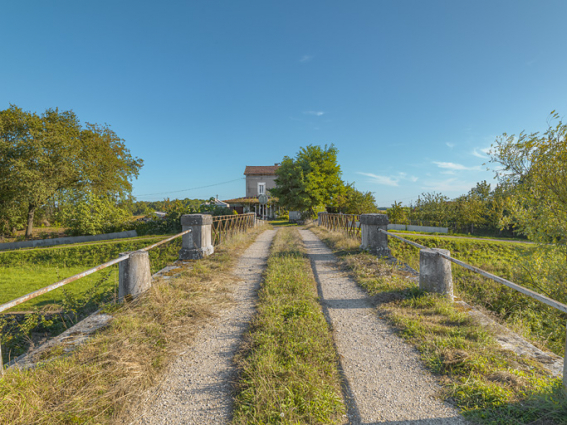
x=197 y=387
x=385 y=381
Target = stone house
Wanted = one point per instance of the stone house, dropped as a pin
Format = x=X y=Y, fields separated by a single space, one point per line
x=260 y=179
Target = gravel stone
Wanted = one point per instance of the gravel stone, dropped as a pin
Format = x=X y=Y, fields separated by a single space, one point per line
x=384 y=378
x=197 y=387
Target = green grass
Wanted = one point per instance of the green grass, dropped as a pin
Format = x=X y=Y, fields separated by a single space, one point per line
x=282 y=223
x=289 y=367
x=489 y=384
x=541 y=324
x=462 y=235
x=27 y=271
x=24 y=271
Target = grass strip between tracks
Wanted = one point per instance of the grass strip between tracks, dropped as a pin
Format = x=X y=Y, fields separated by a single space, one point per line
x=491 y=385
x=288 y=365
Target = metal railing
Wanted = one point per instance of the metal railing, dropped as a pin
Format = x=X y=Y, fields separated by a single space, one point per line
x=542 y=298
x=225 y=226
x=49 y=288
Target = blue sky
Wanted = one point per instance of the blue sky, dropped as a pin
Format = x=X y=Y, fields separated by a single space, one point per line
x=410 y=92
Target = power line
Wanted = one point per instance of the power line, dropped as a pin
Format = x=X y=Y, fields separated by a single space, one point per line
x=193 y=188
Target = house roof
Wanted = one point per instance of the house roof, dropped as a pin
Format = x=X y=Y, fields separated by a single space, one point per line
x=244 y=200
x=247 y=200
x=261 y=170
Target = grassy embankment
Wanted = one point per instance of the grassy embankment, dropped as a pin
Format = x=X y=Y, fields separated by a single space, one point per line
x=289 y=366
x=27 y=270
x=491 y=385
x=111 y=371
x=543 y=325
x=24 y=271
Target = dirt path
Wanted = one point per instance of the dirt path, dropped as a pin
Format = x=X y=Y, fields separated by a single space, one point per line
x=385 y=381
x=197 y=386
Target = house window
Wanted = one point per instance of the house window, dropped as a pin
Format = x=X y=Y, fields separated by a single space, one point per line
x=261 y=188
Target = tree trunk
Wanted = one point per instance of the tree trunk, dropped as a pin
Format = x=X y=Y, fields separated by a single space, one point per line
x=31 y=212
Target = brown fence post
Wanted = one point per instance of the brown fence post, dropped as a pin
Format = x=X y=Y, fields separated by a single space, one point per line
x=319 y=218
x=198 y=243
x=435 y=272
x=134 y=275
x=373 y=239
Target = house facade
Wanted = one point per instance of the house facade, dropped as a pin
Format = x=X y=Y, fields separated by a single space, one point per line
x=260 y=179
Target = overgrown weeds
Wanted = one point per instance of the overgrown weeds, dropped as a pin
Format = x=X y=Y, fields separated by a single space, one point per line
x=490 y=385
x=112 y=371
x=289 y=366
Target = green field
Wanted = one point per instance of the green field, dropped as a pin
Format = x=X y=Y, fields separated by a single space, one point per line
x=24 y=271
x=541 y=324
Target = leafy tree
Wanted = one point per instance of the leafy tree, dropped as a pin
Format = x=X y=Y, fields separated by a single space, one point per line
x=434 y=208
x=535 y=165
x=532 y=168
x=86 y=213
x=310 y=181
x=41 y=155
x=398 y=214
x=353 y=201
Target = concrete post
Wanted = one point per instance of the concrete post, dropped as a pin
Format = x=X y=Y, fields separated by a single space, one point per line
x=198 y=243
x=435 y=272
x=134 y=275
x=372 y=239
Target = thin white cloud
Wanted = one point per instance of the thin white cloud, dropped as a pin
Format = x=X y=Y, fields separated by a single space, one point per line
x=455 y=167
x=481 y=153
x=305 y=58
x=392 y=180
x=384 y=180
x=448 y=185
x=451 y=145
x=316 y=113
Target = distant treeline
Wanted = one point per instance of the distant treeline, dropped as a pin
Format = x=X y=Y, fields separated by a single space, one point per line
x=482 y=210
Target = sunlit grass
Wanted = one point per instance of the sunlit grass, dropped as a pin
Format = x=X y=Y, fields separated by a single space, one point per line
x=289 y=367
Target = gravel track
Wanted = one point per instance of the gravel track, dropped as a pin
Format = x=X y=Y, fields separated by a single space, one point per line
x=197 y=387
x=385 y=381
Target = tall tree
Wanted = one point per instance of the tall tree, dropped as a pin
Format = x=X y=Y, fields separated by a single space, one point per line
x=41 y=155
x=535 y=166
x=310 y=181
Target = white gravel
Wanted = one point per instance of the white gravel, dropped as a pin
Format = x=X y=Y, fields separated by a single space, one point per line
x=385 y=380
x=197 y=387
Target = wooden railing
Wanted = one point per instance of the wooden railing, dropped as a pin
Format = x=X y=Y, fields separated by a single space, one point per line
x=225 y=226
x=348 y=223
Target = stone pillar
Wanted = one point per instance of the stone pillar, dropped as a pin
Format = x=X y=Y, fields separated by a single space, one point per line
x=373 y=240
x=134 y=275
x=435 y=272
x=319 y=217
x=198 y=243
